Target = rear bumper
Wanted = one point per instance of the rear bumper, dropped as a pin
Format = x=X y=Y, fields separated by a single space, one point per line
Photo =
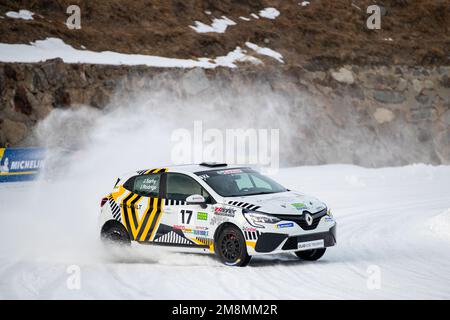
x=276 y=242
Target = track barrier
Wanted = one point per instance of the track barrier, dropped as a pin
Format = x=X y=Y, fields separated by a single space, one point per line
x=20 y=164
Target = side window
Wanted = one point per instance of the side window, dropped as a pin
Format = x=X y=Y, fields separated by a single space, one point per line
x=145 y=185
x=180 y=186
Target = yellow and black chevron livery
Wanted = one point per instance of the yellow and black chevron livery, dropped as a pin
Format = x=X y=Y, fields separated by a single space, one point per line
x=140 y=227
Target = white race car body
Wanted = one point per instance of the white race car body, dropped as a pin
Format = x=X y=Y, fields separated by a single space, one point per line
x=151 y=205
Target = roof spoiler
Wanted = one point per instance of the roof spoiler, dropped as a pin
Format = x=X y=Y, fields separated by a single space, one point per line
x=213 y=164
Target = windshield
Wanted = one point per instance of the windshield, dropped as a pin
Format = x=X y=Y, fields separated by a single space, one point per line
x=239 y=182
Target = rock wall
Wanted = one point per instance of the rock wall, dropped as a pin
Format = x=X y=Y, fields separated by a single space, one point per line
x=372 y=116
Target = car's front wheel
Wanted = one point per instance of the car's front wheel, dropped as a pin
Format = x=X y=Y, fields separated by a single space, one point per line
x=114 y=232
x=311 y=255
x=231 y=247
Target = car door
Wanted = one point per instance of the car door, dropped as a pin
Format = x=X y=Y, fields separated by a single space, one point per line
x=142 y=205
x=182 y=223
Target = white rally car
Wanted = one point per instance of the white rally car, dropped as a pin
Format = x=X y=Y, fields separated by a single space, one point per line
x=234 y=212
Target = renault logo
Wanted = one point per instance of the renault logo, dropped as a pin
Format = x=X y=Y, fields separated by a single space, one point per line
x=309 y=219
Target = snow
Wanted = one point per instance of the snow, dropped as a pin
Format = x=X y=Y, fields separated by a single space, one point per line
x=265 y=51
x=269 y=13
x=51 y=48
x=22 y=14
x=237 y=55
x=304 y=3
x=218 y=25
x=440 y=224
x=244 y=18
x=384 y=226
x=254 y=16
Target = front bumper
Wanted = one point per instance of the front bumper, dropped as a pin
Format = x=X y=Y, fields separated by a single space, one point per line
x=278 y=242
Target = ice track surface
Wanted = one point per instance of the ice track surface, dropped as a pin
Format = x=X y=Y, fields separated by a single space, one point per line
x=394 y=220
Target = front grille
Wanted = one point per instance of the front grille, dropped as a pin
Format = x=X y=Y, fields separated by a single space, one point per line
x=300 y=219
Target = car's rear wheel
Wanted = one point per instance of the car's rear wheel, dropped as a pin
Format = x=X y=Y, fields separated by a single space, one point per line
x=114 y=232
x=311 y=255
x=231 y=247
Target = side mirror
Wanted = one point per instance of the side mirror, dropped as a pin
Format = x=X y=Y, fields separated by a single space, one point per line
x=196 y=199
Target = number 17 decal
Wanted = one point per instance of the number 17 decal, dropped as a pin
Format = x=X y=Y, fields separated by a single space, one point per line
x=186 y=216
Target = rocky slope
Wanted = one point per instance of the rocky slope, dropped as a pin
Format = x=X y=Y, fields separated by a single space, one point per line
x=370 y=100
x=316 y=35
x=366 y=115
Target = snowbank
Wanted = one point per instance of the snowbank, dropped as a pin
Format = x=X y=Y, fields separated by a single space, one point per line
x=269 y=13
x=265 y=51
x=218 y=25
x=51 y=48
x=22 y=14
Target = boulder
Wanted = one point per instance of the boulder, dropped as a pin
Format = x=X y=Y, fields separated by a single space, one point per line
x=383 y=115
x=402 y=84
x=343 y=75
x=388 y=96
x=100 y=99
x=445 y=81
x=21 y=102
x=14 y=132
x=61 y=98
x=422 y=113
x=417 y=85
x=428 y=84
x=39 y=82
x=55 y=71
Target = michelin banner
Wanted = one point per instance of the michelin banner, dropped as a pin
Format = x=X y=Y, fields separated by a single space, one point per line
x=20 y=164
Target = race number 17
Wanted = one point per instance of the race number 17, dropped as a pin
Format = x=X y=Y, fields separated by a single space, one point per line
x=186 y=216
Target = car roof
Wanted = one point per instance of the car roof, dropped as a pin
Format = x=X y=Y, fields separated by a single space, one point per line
x=193 y=168
x=184 y=168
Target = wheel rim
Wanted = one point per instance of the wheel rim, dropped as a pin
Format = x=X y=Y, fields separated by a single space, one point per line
x=230 y=247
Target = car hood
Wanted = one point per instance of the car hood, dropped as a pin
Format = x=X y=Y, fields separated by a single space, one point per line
x=289 y=202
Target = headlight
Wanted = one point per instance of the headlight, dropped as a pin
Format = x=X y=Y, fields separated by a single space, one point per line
x=255 y=218
x=329 y=213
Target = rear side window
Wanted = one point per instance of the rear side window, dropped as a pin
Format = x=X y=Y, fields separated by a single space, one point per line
x=144 y=185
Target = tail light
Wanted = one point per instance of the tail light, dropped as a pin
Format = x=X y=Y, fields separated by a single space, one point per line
x=102 y=203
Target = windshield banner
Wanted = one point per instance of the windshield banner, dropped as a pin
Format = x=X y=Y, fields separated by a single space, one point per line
x=20 y=164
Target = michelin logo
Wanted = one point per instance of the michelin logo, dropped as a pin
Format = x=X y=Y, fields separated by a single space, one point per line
x=27 y=164
x=4 y=167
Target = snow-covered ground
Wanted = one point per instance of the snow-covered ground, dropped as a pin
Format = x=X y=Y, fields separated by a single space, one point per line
x=393 y=222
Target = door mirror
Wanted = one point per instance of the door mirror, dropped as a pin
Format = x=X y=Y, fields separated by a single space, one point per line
x=196 y=199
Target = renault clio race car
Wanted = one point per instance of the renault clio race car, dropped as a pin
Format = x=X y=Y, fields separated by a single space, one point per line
x=234 y=212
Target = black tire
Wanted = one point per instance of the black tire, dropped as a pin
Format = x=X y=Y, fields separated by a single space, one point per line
x=114 y=232
x=311 y=255
x=231 y=248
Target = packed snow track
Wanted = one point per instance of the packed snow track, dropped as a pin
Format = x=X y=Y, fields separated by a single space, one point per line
x=393 y=243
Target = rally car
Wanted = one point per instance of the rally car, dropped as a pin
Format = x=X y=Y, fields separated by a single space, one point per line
x=234 y=212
